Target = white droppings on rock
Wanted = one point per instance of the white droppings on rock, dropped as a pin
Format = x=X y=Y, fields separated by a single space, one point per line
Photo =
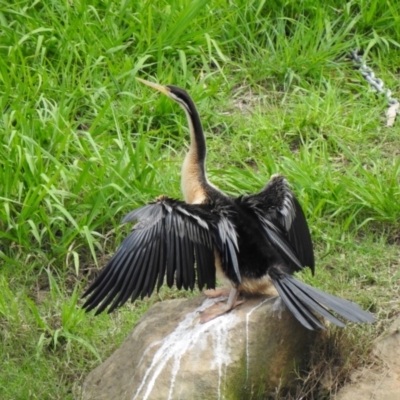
x=278 y=306
x=221 y=349
x=247 y=334
x=190 y=334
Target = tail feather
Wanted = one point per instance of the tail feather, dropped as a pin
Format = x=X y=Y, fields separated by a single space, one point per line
x=347 y=309
x=302 y=314
x=303 y=300
x=310 y=302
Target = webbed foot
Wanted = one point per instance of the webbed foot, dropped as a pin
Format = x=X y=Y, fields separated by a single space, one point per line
x=221 y=307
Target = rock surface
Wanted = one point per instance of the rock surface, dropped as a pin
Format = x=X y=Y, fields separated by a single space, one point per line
x=170 y=355
x=381 y=381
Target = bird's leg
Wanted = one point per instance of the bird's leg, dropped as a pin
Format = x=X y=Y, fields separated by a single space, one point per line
x=220 y=308
x=217 y=292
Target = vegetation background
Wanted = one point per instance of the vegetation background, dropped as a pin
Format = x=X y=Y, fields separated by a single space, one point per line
x=82 y=143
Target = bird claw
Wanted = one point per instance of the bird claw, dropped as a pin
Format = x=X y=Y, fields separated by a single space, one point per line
x=217 y=309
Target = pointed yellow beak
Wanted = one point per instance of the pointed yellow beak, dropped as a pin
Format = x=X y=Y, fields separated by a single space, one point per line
x=160 y=88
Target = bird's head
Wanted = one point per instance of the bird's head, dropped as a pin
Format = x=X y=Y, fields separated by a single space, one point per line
x=175 y=93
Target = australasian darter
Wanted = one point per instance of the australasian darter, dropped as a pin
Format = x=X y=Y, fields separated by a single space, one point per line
x=250 y=243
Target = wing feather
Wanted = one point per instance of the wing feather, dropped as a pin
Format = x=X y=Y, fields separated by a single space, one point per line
x=169 y=238
x=283 y=221
x=161 y=263
x=127 y=289
x=171 y=265
x=152 y=268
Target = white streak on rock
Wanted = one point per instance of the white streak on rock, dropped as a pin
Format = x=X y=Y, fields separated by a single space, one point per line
x=247 y=334
x=188 y=335
x=278 y=306
x=221 y=350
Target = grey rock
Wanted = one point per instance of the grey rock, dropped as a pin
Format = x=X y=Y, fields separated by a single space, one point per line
x=169 y=355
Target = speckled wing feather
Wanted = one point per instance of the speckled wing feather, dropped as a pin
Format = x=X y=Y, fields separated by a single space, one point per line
x=283 y=221
x=171 y=239
x=226 y=240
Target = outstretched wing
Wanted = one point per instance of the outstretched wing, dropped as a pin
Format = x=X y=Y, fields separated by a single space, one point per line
x=168 y=238
x=283 y=221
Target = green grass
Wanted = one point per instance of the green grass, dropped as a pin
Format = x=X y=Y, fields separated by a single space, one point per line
x=82 y=143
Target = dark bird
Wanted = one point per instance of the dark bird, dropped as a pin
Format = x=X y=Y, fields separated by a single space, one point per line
x=252 y=243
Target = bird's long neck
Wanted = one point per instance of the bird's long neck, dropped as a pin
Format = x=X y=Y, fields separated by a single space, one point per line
x=194 y=181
